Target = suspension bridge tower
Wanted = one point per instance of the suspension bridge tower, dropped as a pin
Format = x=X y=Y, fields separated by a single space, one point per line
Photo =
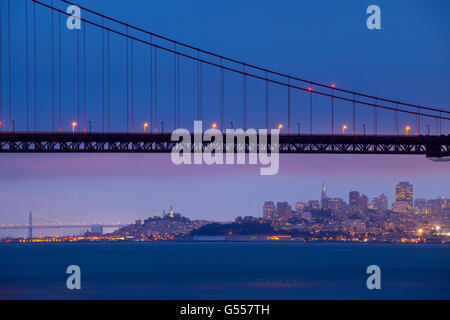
x=30 y=225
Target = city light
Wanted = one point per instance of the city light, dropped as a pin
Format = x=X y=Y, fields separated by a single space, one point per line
x=310 y=89
x=74 y=124
x=420 y=231
x=407 y=128
x=344 y=127
x=333 y=86
x=145 y=127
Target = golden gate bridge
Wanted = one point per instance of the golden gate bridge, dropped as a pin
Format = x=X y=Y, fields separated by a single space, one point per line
x=149 y=85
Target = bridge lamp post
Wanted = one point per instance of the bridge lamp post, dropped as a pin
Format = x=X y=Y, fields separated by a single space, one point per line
x=162 y=126
x=428 y=128
x=74 y=124
x=407 y=128
x=231 y=125
x=145 y=127
x=214 y=125
x=343 y=129
x=90 y=126
x=298 y=126
x=280 y=126
x=364 y=128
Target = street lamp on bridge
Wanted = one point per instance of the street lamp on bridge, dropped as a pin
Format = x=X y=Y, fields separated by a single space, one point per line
x=74 y=124
x=343 y=129
x=407 y=128
x=145 y=126
x=280 y=126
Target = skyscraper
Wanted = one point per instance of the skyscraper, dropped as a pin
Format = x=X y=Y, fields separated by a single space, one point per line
x=323 y=197
x=353 y=198
x=404 y=192
x=284 y=210
x=269 y=210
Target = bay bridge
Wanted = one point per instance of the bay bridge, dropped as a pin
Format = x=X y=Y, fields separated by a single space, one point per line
x=110 y=86
x=54 y=224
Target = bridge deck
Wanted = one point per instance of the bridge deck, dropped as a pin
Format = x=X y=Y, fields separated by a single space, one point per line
x=20 y=142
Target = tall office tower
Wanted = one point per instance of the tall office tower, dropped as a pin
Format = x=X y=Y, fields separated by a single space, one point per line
x=353 y=198
x=284 y=210
x=383 y=203
x=299 y=207
x=404 y=192
x=420 y=206
x=323 y=197
x=269 y=210
x=363 y=203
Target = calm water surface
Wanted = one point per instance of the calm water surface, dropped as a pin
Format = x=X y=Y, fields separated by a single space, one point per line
x=224 y=271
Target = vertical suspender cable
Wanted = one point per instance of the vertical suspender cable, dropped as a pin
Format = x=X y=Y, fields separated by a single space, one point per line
x=310 y=108
x=35 y=66
x=1 y=73
x=60 y=74
x=53 y=71
x=132 y=85
x=289 y=105
x=267 y=104
x=26 y=57
x=245 y=97
x=127 y=76
x=103 y=77
x=151 y=85
x=354 y=114
x=178 y=90
x=174 y=86
x=78 y=81
x=84 y=78
x=109 y=79
x=375 y=124
x=9 y=64
x=156 y=90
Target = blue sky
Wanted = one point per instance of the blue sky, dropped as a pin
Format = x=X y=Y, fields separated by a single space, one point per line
x=325 y=41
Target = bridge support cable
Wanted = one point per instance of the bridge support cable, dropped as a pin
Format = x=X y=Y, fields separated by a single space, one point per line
x=375 y=122
x=156 y=90
x=103 y=76
x=128 y=84
x=1 y=78
x=60 y=71
x=26 y=64
x=78 y=81
x=132 y=85
x=179 y=91
x=240 y=62
x=332 y=111
x=108 y=73
x=84 y=79
x=151 y=85
x=9 y=65
x=244 y=79
x=53 y=69
x=289 y=106
x=201 y=61
x=267 y=104
x=354 y=114
x=35 y=66
x=310 y=109
x=175 y=87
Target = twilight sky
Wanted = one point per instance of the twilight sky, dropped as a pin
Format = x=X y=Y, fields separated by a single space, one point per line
x=325 y=41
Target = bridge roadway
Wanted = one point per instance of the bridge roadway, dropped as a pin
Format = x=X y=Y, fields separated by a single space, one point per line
x=22 y=142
